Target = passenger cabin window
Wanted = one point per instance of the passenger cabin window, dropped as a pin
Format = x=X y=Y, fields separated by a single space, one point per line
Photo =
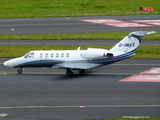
x=31 y=55
x=47 y=55
x=67 y=55
x=41 y=55
x=52 y=55
x=62 y=55
x=57 y=54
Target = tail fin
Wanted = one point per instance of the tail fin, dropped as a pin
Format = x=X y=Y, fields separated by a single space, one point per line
x=130 y=42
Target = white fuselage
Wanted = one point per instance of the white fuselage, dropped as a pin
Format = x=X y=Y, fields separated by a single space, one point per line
x=80 y=60
x=73 y=59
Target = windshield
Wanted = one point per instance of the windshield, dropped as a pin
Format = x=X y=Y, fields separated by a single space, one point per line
x=31 y=55
x=26 y=55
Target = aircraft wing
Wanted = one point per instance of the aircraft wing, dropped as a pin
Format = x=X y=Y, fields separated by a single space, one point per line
x=76 y=65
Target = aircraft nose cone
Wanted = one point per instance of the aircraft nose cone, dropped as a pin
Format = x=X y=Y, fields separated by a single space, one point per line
x=8 y=63
x=13 y=62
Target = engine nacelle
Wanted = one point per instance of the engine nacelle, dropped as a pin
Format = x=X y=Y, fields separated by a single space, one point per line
x=93 y=53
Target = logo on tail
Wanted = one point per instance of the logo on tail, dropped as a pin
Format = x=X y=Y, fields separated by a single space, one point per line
x=126 y=44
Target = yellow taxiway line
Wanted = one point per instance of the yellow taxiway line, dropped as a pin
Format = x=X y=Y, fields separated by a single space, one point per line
x=86 y=106
x=57 y=73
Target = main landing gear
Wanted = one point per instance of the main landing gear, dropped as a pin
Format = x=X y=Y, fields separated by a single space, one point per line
x=70 y=72
x=19 y=71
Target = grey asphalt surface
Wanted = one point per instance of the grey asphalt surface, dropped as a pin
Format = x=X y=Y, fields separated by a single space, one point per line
x=48 y=94
x=70 y=42
x=72 y=25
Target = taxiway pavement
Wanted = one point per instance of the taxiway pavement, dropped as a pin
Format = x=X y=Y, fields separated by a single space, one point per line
x=74 y=25
x=50 y=94
x=45 y=94
x=70 y=42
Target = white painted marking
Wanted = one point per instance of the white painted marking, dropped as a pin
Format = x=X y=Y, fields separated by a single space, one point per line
x=117 y=23
x=152 y=71
x=128 y=24
x=136 y=117
x=3 y=73
x=142 y=78
x=152 y=22
x=139 y=64
x=3 y=115
x=12 y=29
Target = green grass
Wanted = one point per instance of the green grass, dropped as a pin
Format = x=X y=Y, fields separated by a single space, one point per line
x=148 y=52
x=63 y=8
x=70 y=8
x=143 y=52
x=76 y=36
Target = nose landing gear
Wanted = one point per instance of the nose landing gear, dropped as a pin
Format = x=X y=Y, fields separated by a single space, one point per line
x=19 y=71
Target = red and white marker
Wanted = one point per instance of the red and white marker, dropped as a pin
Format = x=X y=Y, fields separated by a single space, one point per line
x=81 y=107
x=12 y=29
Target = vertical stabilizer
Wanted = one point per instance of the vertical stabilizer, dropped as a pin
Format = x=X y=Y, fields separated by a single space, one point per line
x=130 y=42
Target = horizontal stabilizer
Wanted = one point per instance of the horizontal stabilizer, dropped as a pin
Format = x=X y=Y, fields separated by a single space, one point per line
x=151 y=32
x=142 y=33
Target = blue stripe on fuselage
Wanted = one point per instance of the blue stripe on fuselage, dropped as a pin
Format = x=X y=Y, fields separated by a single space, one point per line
x=39 y=63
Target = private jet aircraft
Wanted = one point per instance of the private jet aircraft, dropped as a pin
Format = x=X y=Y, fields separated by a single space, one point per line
x=80 y=60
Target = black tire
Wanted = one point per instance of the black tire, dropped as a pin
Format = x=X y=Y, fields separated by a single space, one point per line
x=69 y=73
x=19 y=71
x=82 y=72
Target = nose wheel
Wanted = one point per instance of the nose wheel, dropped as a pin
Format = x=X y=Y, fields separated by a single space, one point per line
x=19 y=71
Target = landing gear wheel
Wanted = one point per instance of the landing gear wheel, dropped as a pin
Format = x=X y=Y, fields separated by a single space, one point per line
x=82 y=71
x=19 y=71
x=69 y=73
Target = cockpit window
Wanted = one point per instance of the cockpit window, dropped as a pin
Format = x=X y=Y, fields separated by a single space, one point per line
x=26 y=55
x=31 y=55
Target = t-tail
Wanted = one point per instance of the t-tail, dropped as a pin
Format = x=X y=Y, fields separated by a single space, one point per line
x=130 y=42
